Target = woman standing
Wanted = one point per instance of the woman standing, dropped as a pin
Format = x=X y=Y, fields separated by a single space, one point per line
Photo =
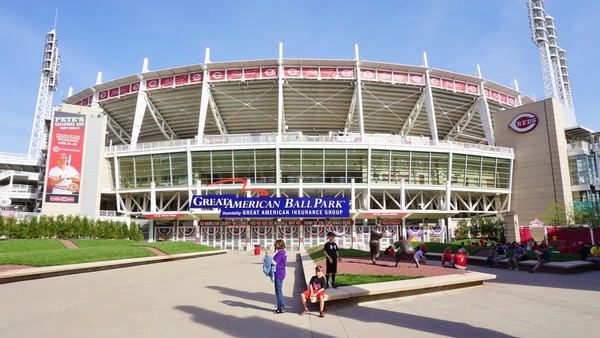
x=280 y=259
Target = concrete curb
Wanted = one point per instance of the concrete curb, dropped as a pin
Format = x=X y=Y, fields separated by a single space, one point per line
x=62 y=270
x=369 y=292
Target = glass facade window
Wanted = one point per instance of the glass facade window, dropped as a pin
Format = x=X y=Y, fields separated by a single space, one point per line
x=419 y=164
x=201 y=165
x=439 y=168
x=458 y=169
x=312 y=165
x=502 y=173
x=580 y=169
x=335 y=165
x=161 y=164
x=143 y=171
x=179 y=169
x=356 y=165
x=488 y=172
x=324 y=166
x=222 y=165
x=400 y=166
x=473 y=170
x=380 y=166
x=126 y=172
x=265 y=166
x=243 y=161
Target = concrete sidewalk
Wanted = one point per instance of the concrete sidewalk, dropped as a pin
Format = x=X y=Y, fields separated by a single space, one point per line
x=227 y=295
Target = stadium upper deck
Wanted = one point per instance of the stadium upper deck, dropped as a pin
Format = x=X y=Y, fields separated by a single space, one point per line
x=314 y=97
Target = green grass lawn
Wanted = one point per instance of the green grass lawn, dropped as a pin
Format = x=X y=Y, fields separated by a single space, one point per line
x=317 y=254
x=51 y=252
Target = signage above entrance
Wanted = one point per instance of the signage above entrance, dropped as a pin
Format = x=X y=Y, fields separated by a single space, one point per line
x=274 y=207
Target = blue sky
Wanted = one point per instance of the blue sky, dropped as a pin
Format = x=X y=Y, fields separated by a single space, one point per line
x=115 y=36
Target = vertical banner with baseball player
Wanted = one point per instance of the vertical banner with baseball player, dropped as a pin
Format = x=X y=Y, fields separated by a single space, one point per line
x=65 y=157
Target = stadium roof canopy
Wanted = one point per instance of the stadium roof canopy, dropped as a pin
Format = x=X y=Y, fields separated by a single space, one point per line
x=317 y=97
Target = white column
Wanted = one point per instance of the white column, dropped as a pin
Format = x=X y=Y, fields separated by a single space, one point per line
x=359 y=106
x=205 y=98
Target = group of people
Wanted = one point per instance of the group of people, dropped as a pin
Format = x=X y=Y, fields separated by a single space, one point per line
x=498 y=252
x=590 y=253
x=320 y=281
x=317 y=284
x=458 y=261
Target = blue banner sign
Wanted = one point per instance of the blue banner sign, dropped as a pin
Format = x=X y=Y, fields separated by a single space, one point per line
x=274 y=207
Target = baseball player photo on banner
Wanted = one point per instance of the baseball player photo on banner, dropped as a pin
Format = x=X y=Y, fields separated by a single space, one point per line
x=65 y=157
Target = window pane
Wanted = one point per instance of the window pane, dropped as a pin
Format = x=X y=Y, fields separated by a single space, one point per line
x=126 y=175
x=458 y=169
x=419 y=163
x=312 y=165
x=357 y=163
x=400 y=166
x=179 y=169
x=380 y=166
x=244 y=164
x=201 y=167
x=473 y=170
x=143 y=171
x=335 y=165
x=265 y=166
x=488 y=172
x=162 y=169
x=503 y=173
x=439 y=168
x=222 y=165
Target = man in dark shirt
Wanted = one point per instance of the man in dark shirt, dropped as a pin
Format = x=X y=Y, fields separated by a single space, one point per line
x=332 y=257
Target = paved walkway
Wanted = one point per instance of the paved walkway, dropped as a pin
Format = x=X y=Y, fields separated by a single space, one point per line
x=229 y=296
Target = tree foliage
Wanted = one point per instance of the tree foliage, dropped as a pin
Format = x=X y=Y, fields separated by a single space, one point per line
x=68 y=227
x=557 y=215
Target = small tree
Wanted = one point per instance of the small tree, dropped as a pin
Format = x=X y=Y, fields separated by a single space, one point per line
x=462 y=229
x=475 y=228
x=557 y=215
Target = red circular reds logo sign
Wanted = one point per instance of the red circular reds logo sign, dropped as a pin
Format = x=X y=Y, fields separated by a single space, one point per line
x=524 y=122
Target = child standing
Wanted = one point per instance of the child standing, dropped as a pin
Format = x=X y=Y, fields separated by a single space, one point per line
x=316 y=290
x=331 y=252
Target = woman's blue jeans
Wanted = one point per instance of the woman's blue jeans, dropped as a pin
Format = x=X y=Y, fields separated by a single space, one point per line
x=279 y=294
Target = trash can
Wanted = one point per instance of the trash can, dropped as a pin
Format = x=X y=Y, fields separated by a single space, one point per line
x=257 y=250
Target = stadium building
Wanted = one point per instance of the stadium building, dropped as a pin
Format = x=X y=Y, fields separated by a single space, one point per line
x=412 y=149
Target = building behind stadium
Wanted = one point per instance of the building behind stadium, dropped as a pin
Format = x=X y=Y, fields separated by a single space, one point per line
x=414 y=149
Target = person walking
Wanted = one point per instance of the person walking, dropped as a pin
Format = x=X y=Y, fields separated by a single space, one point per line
x=280 y=260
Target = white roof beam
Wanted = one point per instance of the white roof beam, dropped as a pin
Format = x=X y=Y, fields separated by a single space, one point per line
x=350 y=113
x=484 y=113
x=429 y=104
x=412 y=117
x=217 y=115
x=119 y=132
x=462 y=123
x=162 y=124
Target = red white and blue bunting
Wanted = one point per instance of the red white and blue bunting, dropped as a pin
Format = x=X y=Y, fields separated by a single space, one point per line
x=314 y=231
x=211 y=231
x=288 y=231
x=164 y=231
x=389 y=230
x=414 y=231
x=187 y=232
x=340 y=231
x=262 y=231
x=437 y=231
x=236 y=230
